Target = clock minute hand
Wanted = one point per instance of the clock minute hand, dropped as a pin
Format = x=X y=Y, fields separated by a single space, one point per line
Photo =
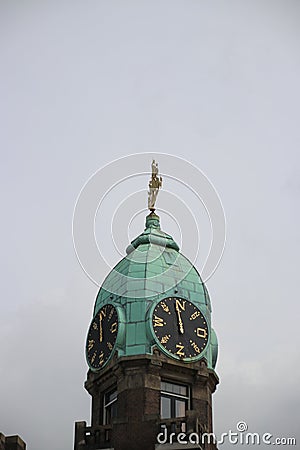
x=180 y=323
x=100 y=328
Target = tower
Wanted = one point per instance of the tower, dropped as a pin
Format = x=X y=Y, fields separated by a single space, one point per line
x=151 y=350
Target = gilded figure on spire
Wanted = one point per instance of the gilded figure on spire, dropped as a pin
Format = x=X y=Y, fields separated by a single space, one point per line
x=154 y=184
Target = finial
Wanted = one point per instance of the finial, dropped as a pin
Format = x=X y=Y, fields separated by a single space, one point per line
x=154 y=184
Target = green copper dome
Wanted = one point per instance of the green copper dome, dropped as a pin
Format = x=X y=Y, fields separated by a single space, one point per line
x=152 y=270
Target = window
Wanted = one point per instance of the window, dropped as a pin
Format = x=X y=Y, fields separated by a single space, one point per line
x=174 y=400
x=110 y=406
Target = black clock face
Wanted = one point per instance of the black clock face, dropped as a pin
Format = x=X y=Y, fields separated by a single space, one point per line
x=102 y=336
x=180 y=327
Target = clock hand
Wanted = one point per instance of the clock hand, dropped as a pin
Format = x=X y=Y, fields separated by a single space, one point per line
x=180 y=323
x=100 y=328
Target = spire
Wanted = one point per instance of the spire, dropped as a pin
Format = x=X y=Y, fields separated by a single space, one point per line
x=153 y=235
x=152 y=221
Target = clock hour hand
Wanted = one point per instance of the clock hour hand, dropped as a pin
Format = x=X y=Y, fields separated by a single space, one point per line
x=180 y=323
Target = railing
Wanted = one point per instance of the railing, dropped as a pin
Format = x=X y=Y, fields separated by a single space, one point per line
x=177 y=425
x=96 y=437
x=100 y=436
x=187 y=425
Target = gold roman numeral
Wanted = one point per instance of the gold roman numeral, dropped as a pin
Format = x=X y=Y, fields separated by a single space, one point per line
x=195 y=347
x=111 y=313
x=201 y=333
x=165 y=307
x=109 y=345
x=103 y=312
x=90 y=344
x=101 y=360
x=158 y=322
x=114 y=327
x=195 y=315
x=180 y=348
x=165 y=339
x=180 y=304
x=93 y=357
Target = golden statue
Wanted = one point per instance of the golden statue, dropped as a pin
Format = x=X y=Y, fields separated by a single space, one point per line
x=154 y=184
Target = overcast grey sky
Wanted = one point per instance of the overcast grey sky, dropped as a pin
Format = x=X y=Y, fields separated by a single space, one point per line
x=82 y=83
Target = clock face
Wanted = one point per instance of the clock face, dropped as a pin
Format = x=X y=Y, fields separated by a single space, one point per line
x=180 y=327
x=102 y=337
